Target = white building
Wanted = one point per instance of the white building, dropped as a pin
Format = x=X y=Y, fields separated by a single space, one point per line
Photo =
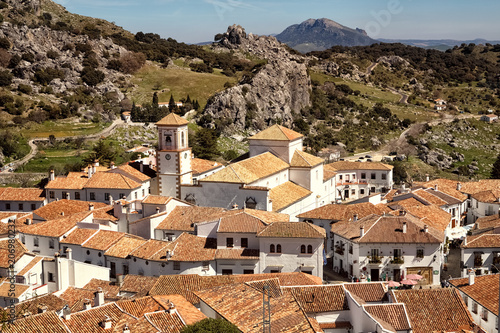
x=481 y=250
x=388 y=247
x=21 y=199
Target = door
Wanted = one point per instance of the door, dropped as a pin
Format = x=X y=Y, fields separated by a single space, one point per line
x=374 y=272
x=397 y=274
x=112 y=273
x=346 y=194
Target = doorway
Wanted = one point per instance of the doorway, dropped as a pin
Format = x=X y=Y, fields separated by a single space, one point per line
x=374 y=273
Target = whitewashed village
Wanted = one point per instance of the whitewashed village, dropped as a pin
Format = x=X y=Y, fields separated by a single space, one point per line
x=161 y=243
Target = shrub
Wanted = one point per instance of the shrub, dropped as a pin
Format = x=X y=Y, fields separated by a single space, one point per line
x=5 y=78
x=25 y=89
x=92 y=77
x=4 y=43
x=28 y=56
x=52 y=54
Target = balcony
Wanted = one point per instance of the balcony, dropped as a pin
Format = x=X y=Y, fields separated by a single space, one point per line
x=339 y=250
x=398 y=260
x=375 y=259
x=478 y=262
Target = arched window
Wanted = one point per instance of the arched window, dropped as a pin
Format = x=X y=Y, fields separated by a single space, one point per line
x=271 y=248
x=302 y=249
x=251 y=203
x=182 y=139
x=190 y=198
x=278 y=248
x=309 y=249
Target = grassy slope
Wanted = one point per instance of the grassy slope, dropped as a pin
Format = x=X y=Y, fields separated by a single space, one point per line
x=62 y=129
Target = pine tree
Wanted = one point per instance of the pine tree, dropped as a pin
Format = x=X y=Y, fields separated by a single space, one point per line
x=171 y=103
x=188 y=99
x=155 y=100
x=495 y=172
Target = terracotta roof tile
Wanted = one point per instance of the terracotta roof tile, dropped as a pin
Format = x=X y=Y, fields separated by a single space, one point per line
x=124 y=246
x=434 y=309
x=185 y=284
x=29 y=266
x=240 y=223
x=138 y=284
x=156 y=200
x=54 y=209
x=368 y=292
x=152 y=248
x=328 y=174
x=249 y=170
x=484 y=290
x=266 y=217
x=315 y=299
x=276 y=133
x=392 y=314
x=172 y=119
x=347 y=165
x=47 y=322
x=303 y=159
x=200 y=166
x=287 y=194
x=109 y=289
x=192 y=248
x=342 y=212
x=6 y=292
x=132 y=172
x=187 y=311
x=75 y=297
x=166 y=322
x=183 y=218
x=103 y=240
x=489 y=196
x=487 y=222
x=79 y=236
x=56 y=228
x=109 y=180
x=486 y=240
x=90 y=321
x=22 y=194
x=293 y=230
x=19 y=249
x=73 y=181
x=480 y=186
x=239 y=254
x=139 y=325
x=32 y=305
x=137 y=307
x=431 y=215
x=447 y=186
x=429 y=197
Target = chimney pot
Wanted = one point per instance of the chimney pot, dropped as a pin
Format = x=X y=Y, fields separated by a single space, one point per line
x=99 y=297
x=459 y=186
x=472 y=277
x=435 y=187
x=42 y=308
x=404 y=227
x=355 y=217
x=157 y=210
x=28 y=221
x=426 y=228
x=426 y=177
x=126 y=329
x=361 y=231
x=69 y=253
x=107 y=323
x=52 y=175
x=91 y=207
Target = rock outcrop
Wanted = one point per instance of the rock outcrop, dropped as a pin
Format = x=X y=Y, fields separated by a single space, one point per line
x=277 y=90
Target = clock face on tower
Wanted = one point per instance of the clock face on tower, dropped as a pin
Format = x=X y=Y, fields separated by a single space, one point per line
x=168 y=157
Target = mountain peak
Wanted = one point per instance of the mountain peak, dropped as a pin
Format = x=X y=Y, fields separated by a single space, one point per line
x=321 y=34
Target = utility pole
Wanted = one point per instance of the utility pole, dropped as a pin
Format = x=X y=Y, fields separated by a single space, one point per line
x=266 y=310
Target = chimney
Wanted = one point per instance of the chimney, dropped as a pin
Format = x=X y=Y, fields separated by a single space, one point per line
x=96 y=163
x=235 y=206
x=99 y=297
x=106 y=323
x=68 y=196
x=435 y=187
x=87 y=304
x=361 y=231
x=91 y=207
x=157 y=210
x=28 y=221
x=111 y=201
x=62 y=213
x=404 y=227
x=168 y=255
x=426 y=228
x=112 y=165
x=42 y=308
x=171 y=308
x=126 y=329
x=67 y=313
x=472 y=277
x=119 y=279
x=141 y=166
x=402 y=212
x=459 y=186
x=52 y=175
x=89 y=172
x=427 y=177
x=354 y=217
x=69 y=254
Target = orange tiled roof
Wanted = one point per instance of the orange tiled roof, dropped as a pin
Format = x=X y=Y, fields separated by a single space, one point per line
x=56 y=228
x=342 y=212
x=199 y=165
x=484 y=290
x=6 y=291
x=138 y=284
x=124 y=246
x=79 y=236
x=286 y=194
x=54 y=209
x=314 y=299
x=487 y=222
x=240 y=223
x=111 y=181
x=249 y=170
x=188 y=312
x=328 y=174
x=489 y=196
x=22 y=194
x=29 y=266
x=192 y=248
x=392 y=314
x=110 y=290
x=103 y=240
x=19 y=251
x=265 y=216
x=368 y=292
x=137 y=307
x=172 y=120
x=183 y=218
x=348 y=165
x=239 y=254
x=152 y=248
x=486 y=240
x=132 y=172
x=156 y=200
x=293 y=230
x=305 y=160
x=73 y=181
x=480 y=186
x=51 y=301
x=434 y=309
x=276 y=133
x=431 y=215
x=88 y=321
x=429 y=197
x=75 y=297
x=48 y=322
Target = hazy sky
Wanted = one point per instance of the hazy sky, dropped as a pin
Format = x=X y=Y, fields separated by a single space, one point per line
x=193 y=21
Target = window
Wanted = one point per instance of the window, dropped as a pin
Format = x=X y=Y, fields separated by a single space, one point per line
x=65 y=195
x=272 y=249
x=135 y=195
x=229 y=242
x=51 y=243
x=373 y=175
x=168 y=139
x=143 y=192
x=248 y=271
x=372 y=189
x=420 y=253
x=227 y=272
x=350 y=249
x=52 y=194
x=20 y=206
x=466 y=300
x=474 y=307
x=33 y=206
x=205 y=266
x=251 y=203
x=309 y=249
x=302 y=249
x=278 y=248
x=384 y=176
x=35 y=242
x=92 y=195
x=182 y=139
x=125 y=269
x=106 y=196
x=361 y=191
x=244 y=242
x=190 y=198
x=177 y=265
x=363 y=175
x=317 y=174
x=23 y=239
x=168 y=236
x=77 y=195
x=353 y=192
x=7 y=206
x=275 y=271
x=340 y=177
x=122 y=196
x=51 y=277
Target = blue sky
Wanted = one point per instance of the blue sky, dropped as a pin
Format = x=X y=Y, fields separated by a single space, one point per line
x=193 y=21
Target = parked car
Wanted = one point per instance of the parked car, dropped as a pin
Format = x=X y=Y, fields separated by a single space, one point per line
x=368 y=156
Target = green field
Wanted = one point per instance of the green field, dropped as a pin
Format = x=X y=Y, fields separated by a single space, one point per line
x=62 y=129
x=56 y=159
x=179 y=82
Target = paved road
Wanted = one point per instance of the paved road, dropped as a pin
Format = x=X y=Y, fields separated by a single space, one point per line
x=404 y=97
x=34 y=149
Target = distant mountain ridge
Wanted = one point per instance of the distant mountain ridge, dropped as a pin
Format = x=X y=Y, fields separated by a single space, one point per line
x=321 y=34
x=439 y=44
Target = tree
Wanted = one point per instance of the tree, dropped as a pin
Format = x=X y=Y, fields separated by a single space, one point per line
x=495 y=172
x=155 y=100
x=210 y=325
x=171 y=103
x=205 y=144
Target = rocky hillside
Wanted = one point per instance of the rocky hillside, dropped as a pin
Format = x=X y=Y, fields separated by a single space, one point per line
x=271 y=93
x=321 y=34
